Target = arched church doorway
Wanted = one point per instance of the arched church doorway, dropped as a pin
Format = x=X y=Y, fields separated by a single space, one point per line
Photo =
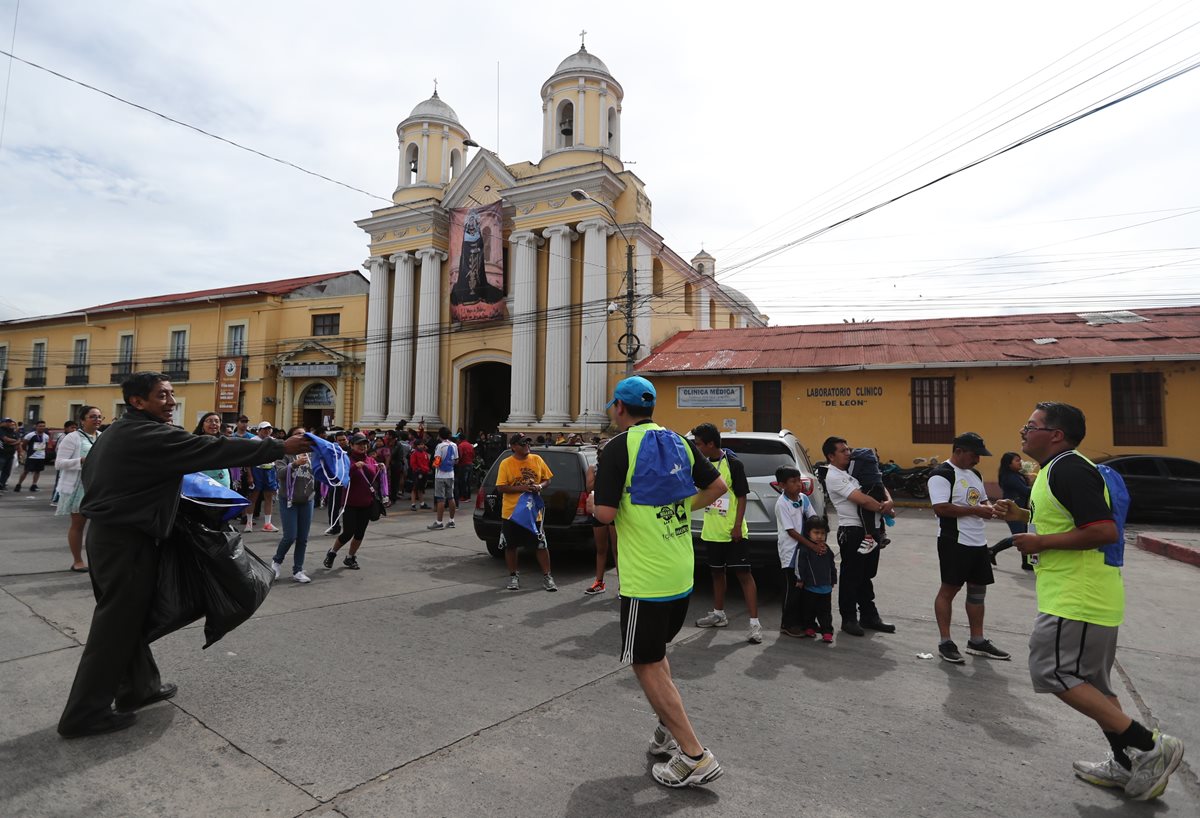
x=487 y=392
x=316 y=406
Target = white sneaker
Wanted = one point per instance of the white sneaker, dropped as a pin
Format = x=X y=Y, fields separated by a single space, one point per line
x=275 y=568
x=1152 y=768
x=712 y=619
x=249 y=527
x=868 y=545
x=435 y=526
x=681 y=771
x=300 y=577
x=663 y=743
x=450 y=523
x=755 y=635
x=1106 y=773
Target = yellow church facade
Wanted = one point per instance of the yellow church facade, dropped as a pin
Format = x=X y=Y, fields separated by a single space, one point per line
x=559 y=306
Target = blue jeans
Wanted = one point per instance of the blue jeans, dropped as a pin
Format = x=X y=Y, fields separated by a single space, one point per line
x=296 y=521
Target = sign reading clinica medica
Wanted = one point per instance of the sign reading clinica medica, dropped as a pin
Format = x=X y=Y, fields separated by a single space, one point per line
x=709 y=397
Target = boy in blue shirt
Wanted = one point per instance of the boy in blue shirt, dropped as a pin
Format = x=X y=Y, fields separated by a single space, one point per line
x=816 y=574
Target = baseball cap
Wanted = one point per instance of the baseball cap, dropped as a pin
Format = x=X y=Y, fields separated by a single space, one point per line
x=7 y=420
x=266 y=424
x=972 y=442
x=634 y=391
x=359 y=438
x=517 y=437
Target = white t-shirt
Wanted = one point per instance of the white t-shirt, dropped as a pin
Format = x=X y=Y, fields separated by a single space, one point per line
x=788 y=515
x=445 y=469
x=840 y=485
x=965 y=490
x=36 y=449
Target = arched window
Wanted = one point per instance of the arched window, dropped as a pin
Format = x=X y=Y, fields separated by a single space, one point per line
x=712 y=313
x=564 y=124
x=614 y=131
x=316 y=396
x=732 y=320
x=411 y=164
x=657 y=278
x=455 y=163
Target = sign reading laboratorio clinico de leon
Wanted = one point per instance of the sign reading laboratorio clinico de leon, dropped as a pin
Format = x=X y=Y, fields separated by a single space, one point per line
x=844 y=395
x=229 y=384
x=709 y=397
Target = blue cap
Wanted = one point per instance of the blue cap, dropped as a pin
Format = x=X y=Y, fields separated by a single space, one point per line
x=634 y=391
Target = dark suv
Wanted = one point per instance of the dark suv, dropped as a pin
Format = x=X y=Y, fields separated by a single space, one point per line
x=566 y=521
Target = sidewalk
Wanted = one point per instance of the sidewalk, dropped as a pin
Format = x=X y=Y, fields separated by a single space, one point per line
x=1174 y=544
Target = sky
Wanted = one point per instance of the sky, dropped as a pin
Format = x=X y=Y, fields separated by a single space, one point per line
x=754 y=127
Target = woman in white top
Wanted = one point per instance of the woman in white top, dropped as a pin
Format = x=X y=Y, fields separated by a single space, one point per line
x=72 y=451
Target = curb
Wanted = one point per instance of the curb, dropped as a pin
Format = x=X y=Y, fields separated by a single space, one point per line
x=1169 y=549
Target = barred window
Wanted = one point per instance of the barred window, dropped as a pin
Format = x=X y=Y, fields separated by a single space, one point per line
x=330 y=324
x=932 y=410
x=1137 y=409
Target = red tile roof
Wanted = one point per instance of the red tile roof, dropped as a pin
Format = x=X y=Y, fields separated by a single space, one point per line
x=1170 y=333
x=280 y=287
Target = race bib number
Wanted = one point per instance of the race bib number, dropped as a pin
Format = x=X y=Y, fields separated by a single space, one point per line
x=720 y=506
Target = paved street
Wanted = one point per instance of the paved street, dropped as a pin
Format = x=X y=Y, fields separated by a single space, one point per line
x=417 y=686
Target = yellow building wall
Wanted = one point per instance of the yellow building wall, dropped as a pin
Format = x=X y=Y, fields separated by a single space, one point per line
x=874 y=408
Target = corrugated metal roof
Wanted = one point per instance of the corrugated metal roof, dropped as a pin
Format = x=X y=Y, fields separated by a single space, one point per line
x=1172 y=332
x=280 y=287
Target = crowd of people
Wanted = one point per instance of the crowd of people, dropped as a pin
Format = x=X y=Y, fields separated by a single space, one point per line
x=643 y=490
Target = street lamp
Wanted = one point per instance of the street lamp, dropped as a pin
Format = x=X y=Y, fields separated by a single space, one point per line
x=628 y=344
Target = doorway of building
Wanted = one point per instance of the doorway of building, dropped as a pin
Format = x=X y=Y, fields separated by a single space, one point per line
x=316 y=406
x=487 y=391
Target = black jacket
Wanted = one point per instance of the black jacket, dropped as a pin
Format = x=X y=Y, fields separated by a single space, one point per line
x=133 y=474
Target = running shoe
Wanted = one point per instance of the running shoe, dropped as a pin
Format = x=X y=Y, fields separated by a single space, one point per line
x=755 y=635
x=1151 y=768
x=712 y=619
x=414 y=506
x=663 y=743
x=330 y=556
x=682 y=771
x=1106 y=773
x=986 y=648
x=275 y=568
x=333 y=531
x=949 y=652
x=810 y=633
x=249 y=527
x=269 y=528
x=34 y=487
x=596 y=587
x=300 y=577
x=435 y=526
x=450 y=523
x=548 y=583
x=18 y=487
x=514 y=584
x=351 y=562
x=868 y=545
x=425 y=506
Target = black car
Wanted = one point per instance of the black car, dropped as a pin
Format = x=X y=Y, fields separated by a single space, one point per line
x=1159 y=487
x=566 y=520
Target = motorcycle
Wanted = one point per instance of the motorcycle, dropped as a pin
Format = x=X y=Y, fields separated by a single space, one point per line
x=913 y=482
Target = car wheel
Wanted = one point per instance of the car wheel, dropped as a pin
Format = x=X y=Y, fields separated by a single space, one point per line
x=493 y=547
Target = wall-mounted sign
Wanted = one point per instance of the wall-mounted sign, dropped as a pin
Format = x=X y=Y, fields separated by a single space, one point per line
x=729 y=424
x=229 y=384
x=709 y=397
x=308 y=370
x=844 y=395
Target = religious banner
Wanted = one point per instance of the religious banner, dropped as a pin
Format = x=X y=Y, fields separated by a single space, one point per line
x=229 y=384
x=476 y=264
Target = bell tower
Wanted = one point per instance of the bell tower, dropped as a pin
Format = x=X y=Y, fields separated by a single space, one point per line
x=581 y=107
x=432 y=152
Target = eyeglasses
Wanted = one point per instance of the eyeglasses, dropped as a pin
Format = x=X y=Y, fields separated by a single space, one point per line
x=1029 y=427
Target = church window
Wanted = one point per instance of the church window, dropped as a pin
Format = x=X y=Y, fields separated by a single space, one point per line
x=411 y=164
x=614 y=131
x=455 y=163
x=657 y=278
x=565 y=124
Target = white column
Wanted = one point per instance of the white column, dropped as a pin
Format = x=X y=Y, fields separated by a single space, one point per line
x=429 y=319
x=374 y=406
x=644 y=278
x=593 y=336
x=400 y=374
x=424 y=163
x=580 y=120
x=445 y=154
x=547 y=129
x=704 y=319
x=557 y=381
x=524 y=327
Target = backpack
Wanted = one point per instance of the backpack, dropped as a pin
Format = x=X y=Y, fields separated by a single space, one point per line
x=1118 y=495
x=662 y=474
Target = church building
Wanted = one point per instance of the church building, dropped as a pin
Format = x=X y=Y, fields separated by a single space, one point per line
x=499 y=295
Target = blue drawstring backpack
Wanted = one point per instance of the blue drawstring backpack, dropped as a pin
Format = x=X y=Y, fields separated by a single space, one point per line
x=1118 y=495
x=528 y=511
x=662 y=474
x=330 y=464
x=204 y=491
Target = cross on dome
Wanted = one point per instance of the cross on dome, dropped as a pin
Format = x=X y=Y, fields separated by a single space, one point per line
x=582 y=34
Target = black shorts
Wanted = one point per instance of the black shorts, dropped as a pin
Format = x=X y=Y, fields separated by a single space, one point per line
x=647 y=627
x=965 y=563
x=33 y=465
x=728 y=554
x=518 y=536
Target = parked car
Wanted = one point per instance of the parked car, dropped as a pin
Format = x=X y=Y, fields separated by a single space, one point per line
x=762 y=453
x=1159 y=487
x=566 y=521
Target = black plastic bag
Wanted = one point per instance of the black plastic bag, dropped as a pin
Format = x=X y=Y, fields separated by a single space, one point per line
x=207 y=572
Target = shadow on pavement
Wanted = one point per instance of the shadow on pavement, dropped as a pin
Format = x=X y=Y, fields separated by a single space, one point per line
x=853 y=658
x=619 y=796
x=996 y=711
x=604 y=641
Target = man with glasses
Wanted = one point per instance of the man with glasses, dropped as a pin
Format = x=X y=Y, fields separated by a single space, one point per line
x=1081 y=601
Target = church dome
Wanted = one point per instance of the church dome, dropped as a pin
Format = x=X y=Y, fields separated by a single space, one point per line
x=434 y=108
x=581 y=60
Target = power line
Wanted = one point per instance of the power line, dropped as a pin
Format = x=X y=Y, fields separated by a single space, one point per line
x=8 y=76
